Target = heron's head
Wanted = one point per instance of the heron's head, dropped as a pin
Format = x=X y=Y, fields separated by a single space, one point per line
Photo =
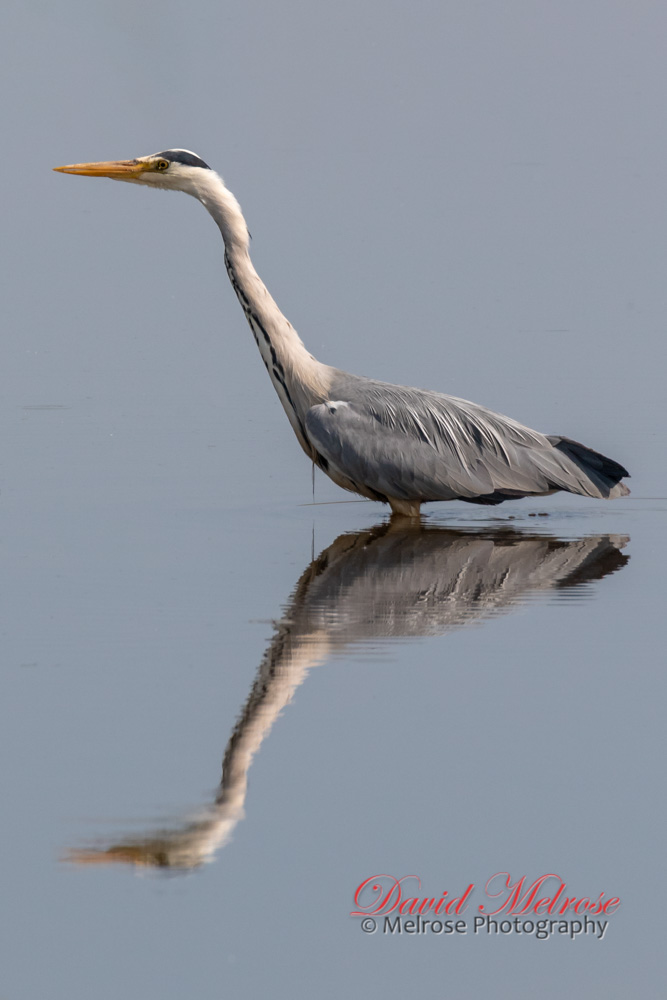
x=177 y=169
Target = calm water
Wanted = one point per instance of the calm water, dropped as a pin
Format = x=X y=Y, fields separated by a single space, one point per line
x=446 y=703
x=225 y=707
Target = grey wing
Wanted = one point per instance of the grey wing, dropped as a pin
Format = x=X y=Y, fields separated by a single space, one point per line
x=411 y=444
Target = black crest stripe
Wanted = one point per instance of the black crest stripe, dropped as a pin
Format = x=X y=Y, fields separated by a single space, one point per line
x=181 y=156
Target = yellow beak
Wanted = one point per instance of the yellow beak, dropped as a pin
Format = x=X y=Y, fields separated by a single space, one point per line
x=117 y=169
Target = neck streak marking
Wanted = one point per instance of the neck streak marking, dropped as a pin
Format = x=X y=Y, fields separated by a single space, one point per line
x=277 y=370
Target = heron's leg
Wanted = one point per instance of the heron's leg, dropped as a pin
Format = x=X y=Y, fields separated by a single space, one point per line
x=404 y=508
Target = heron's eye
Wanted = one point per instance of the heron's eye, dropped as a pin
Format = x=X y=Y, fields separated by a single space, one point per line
x=162 y=164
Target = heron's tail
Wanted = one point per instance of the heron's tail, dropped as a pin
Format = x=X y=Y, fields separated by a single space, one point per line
x=604 y=473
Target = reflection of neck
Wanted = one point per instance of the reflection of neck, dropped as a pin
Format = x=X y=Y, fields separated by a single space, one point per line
x=284 y=667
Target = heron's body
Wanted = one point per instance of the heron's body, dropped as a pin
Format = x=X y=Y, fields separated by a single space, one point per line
x=391 y=443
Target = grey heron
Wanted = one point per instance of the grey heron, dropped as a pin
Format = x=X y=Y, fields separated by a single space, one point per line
x=399 y=445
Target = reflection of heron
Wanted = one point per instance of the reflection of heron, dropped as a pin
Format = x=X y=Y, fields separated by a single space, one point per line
x=386 y=583
x=402 y=446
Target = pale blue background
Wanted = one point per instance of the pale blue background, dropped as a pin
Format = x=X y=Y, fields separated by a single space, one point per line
x=468 y=196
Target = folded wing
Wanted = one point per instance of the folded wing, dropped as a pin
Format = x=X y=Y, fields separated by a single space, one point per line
x=412 y=444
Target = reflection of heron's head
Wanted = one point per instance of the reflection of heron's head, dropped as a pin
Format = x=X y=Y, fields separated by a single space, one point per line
x=177 y=851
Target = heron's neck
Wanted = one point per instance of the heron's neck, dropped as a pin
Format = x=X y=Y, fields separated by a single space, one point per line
x=299 y=379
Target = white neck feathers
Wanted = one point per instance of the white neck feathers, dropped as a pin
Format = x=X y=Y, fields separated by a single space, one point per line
x=299 y=379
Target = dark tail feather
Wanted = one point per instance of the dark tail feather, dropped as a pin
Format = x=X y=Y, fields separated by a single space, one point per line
x=603 y=468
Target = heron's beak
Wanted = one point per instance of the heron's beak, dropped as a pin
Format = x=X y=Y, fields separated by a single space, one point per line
x=119 y=170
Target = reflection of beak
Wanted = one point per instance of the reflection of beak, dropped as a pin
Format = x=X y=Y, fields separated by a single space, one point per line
x=130 y=854
x=121 y=170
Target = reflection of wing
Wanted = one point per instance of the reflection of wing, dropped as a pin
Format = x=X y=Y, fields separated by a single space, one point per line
x=417 y=582
x=411 y=444
x=379 y=584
